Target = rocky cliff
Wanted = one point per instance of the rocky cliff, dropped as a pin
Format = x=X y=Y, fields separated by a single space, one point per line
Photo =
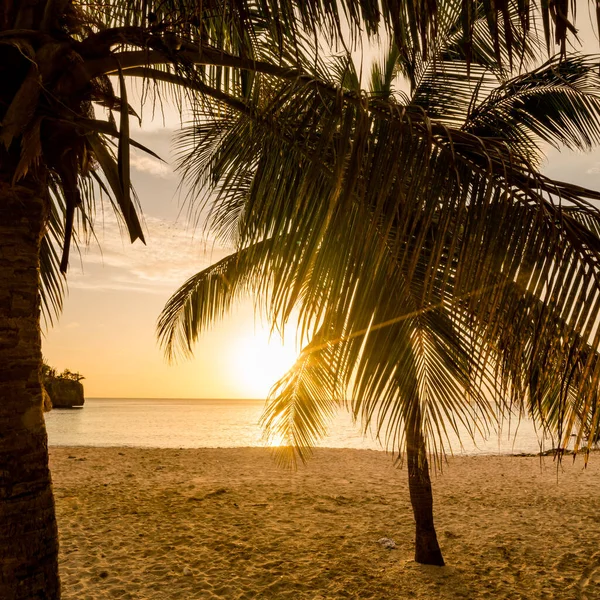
x=64 y=393
x=46 y=401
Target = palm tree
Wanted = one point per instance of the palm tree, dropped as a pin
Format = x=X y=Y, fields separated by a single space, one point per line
x=430 y=273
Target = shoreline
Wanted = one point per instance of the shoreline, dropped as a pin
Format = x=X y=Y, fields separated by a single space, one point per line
x=550 y=453
x=229 y=523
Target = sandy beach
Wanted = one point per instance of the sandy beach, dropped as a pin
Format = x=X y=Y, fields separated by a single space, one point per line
x=229 y=523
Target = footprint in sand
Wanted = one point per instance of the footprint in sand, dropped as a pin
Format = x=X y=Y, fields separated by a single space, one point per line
x=589 y=584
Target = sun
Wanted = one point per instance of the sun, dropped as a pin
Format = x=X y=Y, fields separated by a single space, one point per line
x=259 y=361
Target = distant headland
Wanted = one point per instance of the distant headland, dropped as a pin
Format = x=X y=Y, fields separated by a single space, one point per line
x=61 y=390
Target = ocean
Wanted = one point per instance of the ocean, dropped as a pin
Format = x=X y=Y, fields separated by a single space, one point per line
x=206 y=423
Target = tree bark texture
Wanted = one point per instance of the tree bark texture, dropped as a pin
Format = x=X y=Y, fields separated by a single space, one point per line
x=427 y=549
x=28 y=532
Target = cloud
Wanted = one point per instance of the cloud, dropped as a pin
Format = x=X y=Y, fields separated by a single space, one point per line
x=72 y=325
x=594 y=170
x=151 y=166
x=172 y=254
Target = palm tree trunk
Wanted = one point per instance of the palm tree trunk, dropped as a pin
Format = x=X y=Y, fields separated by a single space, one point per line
x=427 y=549
x=28 y=532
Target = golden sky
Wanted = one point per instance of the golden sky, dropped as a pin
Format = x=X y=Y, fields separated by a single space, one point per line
x=117 y=290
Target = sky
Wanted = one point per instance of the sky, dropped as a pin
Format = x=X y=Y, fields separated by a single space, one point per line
x=116 y=290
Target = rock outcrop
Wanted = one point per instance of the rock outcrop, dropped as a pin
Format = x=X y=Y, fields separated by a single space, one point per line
x=46 y=400
x=64 y=393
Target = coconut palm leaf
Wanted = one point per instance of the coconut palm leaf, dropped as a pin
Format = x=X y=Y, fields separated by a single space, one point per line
x=53 y=284
x=214 y=290
x=414 y=25
x=556 y=104
x=304 y=402
x=483 y=51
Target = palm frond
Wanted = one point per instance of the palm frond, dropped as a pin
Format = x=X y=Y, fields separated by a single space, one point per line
x=209 y=294
x=52 y=281
x=122 y=198
x=558 y=104
x=303 y=403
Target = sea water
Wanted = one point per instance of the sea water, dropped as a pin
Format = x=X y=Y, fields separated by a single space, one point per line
x=206 y=423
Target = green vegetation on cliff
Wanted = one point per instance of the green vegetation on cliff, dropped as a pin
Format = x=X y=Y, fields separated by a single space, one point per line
x=62 y=390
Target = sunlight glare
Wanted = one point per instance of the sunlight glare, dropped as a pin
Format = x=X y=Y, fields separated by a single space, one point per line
x=274 y=440
x=259 y=362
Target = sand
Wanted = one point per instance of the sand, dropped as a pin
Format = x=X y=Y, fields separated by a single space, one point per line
x=229 y=523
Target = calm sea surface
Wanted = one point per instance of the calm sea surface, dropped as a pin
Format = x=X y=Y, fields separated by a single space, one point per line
x=183 y=423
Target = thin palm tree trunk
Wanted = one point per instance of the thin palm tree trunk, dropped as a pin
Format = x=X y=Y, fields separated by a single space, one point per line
x=427 y=549
x=28 y=532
